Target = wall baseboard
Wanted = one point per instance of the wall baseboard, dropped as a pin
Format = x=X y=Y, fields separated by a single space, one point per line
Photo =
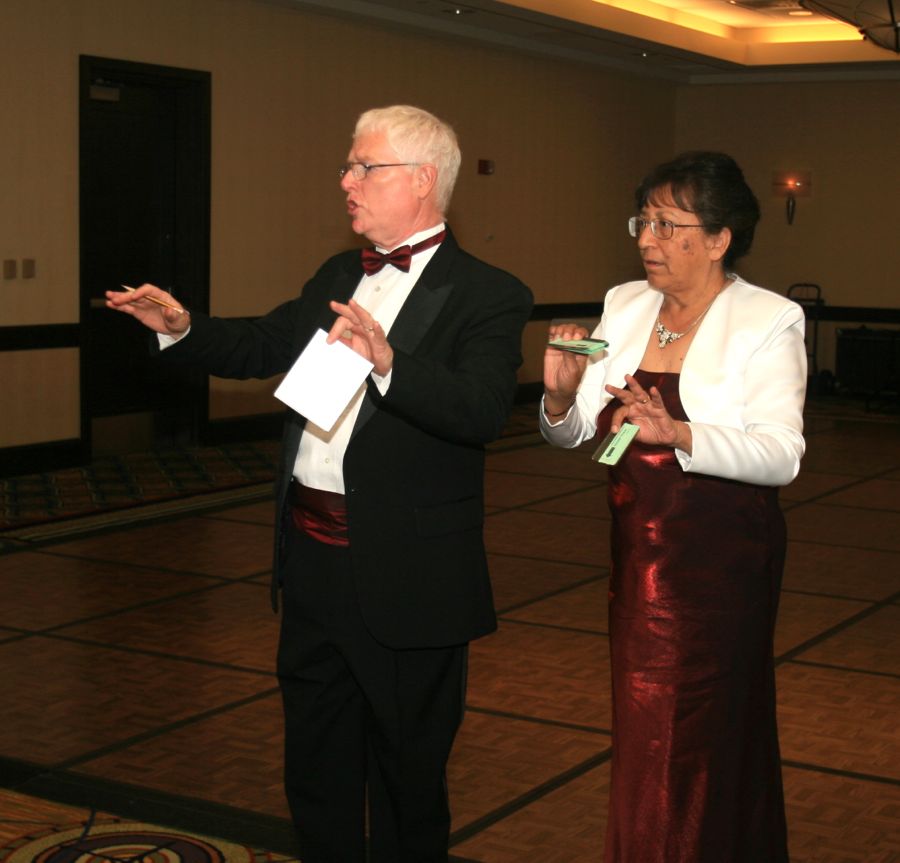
x=249 y=428
x=41 y=457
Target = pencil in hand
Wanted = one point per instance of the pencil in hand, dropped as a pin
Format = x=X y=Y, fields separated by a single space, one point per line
x=158 y=302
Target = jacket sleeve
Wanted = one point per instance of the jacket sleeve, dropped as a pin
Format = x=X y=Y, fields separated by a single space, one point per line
x=767 y=448
x=254 y=348
x=257 y=348
x=580 y=423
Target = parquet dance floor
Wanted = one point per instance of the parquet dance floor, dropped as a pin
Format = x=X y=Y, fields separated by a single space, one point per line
x=136 y=660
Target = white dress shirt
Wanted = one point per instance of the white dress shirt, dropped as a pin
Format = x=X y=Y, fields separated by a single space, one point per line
x=320 y=458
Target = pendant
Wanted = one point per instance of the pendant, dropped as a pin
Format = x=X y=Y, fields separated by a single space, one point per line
x=665 y=335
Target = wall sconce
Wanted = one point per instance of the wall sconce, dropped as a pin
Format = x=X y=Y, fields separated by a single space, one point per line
x=792 y=185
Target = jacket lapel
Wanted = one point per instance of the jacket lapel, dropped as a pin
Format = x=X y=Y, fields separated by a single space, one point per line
x=628 y=341
x=344 y=286
x=419 y=312
x=426 y=299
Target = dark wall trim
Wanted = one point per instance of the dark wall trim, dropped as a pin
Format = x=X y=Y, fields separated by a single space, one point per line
x=41 y=457
x=237 y=429
x=855 y=314
x=39 y=337
x=45 y=336
x=824 y=312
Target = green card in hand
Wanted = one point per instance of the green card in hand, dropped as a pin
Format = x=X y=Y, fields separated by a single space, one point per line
x=579 y=346
x=613 y=446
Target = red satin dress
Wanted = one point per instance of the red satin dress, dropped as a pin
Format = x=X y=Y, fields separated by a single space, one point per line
x=696 y=572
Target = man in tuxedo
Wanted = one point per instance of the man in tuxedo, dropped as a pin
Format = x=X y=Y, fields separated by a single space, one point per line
x=379 y=551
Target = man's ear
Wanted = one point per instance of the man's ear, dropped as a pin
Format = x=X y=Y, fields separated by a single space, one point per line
x=425 y=180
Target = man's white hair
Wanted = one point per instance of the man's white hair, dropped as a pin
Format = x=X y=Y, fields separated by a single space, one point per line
x=417 y=136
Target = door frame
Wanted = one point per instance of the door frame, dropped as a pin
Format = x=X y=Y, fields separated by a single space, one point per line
x=192 y=89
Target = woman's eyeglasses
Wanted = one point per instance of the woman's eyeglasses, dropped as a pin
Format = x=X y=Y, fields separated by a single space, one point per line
x=662 y=229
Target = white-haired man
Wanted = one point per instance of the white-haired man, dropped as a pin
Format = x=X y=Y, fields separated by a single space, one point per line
x=379 y=541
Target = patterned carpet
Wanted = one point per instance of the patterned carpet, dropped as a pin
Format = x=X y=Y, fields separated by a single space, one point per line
x=40 y=830
x=119 y=482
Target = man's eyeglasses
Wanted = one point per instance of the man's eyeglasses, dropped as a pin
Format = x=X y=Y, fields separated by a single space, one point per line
x=360 y=170
x=662 y=229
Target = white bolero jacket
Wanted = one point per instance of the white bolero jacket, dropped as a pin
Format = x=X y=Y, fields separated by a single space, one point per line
x=742 y=384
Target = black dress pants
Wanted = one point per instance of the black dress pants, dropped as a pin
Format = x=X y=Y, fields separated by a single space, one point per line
x=364 y=724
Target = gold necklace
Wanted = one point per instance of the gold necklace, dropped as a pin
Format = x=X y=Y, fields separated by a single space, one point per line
x=665 y=336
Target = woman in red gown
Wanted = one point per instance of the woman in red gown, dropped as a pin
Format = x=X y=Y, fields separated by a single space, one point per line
x=712 y=371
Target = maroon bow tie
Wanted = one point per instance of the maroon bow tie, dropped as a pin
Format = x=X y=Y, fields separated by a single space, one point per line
x=401 y=257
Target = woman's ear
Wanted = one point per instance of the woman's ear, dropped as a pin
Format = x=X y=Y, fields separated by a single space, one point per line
x=718 y=244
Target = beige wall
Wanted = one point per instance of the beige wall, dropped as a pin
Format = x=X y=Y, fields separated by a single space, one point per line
x=287 y=87
x=569 y=143
x=846 y=136
x=40 y=396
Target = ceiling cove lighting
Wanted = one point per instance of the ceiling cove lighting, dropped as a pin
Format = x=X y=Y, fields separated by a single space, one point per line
x=875 y=19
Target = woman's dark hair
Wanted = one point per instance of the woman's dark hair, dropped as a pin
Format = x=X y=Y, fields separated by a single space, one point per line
x=712 y=186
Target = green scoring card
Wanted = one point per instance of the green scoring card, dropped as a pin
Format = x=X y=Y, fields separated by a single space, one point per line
x=614 y=445
x=579 y=346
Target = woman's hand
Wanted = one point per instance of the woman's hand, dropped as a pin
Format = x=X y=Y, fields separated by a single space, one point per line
x=357 y=329
x=153 y=307
x=647 y=411
x=563 y=370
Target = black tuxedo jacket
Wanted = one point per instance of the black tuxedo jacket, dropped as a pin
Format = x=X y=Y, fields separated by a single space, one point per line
x=414 y=466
